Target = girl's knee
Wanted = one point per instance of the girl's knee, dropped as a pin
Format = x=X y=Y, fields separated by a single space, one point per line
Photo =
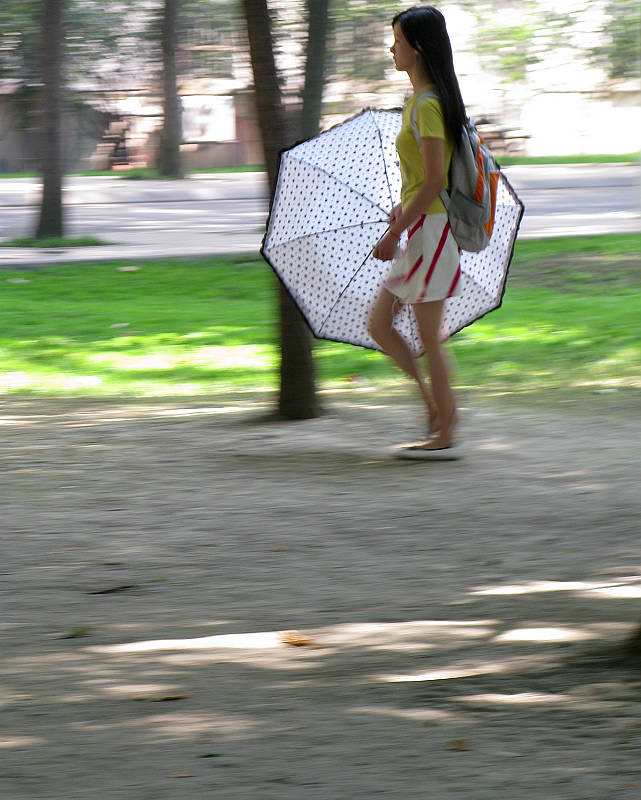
x=381 y=317
x=380 y=325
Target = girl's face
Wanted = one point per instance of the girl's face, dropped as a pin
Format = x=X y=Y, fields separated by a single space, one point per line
x=403 y=52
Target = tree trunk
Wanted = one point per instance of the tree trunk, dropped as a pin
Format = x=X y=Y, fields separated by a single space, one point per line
x=169 y=163
x=50 y=222
x=297 y=397
x=318 y=11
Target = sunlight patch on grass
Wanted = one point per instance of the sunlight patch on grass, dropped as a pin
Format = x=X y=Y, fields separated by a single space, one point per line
x=56 y=383
x=210 y=327
x=237 y=357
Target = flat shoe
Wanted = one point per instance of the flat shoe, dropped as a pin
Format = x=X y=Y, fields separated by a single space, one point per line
x=418 y=452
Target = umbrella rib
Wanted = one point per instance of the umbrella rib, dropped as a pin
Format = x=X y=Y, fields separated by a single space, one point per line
x=338 y=299
x=345 y=288
x=342 y=183
x=380 y=138
x=332 y=230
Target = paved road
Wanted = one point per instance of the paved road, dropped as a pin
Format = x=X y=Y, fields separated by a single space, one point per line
x=226 y=213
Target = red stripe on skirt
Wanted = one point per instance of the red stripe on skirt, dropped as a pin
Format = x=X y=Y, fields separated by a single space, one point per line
x=408 y=277
x=418 y=225
x=437 y=255
x=455 y=281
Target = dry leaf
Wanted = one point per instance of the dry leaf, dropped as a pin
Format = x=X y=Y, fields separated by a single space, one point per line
x=295 y=638
x=18 y=280
x=459 y=744
x=164 y=698
x=77 y=632
x=128 y=269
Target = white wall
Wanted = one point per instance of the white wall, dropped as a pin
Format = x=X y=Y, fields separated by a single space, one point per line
x=578 y=123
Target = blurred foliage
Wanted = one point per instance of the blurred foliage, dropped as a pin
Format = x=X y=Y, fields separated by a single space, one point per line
x=507 y=47
x=19 y=28
x=357 y=41
x=211 y=33
x=93 y=29
x=114 y=42
x=620 y=53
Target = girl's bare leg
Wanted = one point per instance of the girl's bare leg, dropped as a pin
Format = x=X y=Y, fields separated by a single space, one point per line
x=428 y=315
x=394 y=345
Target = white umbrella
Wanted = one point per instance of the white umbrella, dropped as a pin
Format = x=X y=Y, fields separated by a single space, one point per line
x=331 y=205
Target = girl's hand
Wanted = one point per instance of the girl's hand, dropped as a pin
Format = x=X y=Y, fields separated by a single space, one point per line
x=395 y=213
x=386 y=248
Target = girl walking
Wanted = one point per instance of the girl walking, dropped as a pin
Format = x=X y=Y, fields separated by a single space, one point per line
x=426 y=271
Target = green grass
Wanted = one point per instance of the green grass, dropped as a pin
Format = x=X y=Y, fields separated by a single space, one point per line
x=623 y=158
x=612 y=245
x=569 y=324
x=55 y=241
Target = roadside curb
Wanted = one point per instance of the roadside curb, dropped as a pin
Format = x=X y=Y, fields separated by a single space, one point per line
x=65 y=259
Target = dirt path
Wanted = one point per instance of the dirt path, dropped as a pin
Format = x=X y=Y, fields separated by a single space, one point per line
x=444 y=609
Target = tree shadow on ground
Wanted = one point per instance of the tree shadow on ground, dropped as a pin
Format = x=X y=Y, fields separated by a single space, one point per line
x=442 y=610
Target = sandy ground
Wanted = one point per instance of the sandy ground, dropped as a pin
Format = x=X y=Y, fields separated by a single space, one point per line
x=449 y=614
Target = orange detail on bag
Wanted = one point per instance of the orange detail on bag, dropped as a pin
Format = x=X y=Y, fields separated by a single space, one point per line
x=480 y=181
x=494 y=182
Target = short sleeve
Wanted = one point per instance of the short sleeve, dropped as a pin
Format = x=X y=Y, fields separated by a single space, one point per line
x=429 y=118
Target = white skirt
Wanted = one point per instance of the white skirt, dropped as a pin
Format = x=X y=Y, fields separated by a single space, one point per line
x=427 y=266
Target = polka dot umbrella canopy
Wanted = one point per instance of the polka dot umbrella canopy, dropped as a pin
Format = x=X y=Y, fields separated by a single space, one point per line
x=331 y=205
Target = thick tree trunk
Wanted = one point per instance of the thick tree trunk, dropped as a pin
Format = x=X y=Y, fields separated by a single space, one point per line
x=169 y=162
x=297 y=397
x=51 y=222
x=318 y=11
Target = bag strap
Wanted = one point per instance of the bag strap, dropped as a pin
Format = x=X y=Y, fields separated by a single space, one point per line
x=445 y=198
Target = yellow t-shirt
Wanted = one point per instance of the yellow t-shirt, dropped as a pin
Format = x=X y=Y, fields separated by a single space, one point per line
x=431 y=125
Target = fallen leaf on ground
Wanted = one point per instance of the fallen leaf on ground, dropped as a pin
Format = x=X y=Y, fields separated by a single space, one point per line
x=77 y=632
x=459 y=744
x=128 y=269
x=295 y=639
x=165 y=698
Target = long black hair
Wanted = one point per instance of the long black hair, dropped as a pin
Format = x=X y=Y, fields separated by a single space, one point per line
x=425 y=30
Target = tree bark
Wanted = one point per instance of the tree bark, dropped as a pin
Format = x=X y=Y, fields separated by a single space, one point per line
x=297 y=396
x=169 y=162
x=318 y=14
x=50 y=222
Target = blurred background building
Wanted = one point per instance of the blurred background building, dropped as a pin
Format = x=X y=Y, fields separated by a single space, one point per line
x=540 y=80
